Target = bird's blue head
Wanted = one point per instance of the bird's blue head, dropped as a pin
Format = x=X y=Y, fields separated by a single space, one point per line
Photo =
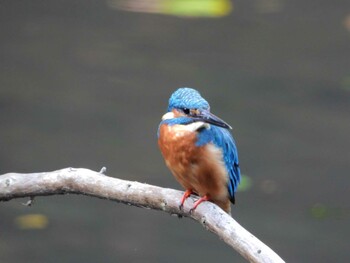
x=187 y=98
x=188 y=104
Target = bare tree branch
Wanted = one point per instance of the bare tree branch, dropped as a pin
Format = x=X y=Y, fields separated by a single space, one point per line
x=87 y=182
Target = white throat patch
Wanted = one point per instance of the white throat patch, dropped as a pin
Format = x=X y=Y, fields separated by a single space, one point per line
x=168 y=116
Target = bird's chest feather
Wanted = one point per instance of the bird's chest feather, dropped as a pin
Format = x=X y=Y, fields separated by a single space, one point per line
x=199 y=168
x=178 y=146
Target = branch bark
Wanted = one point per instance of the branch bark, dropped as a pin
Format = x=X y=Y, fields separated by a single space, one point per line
x=87 y=182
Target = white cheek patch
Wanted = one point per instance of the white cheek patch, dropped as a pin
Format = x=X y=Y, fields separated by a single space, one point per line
x=180 y=131
x=192 y=127
x=168 y=116
x=196 y=126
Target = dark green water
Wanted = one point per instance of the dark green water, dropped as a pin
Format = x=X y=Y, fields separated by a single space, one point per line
x=84 y=85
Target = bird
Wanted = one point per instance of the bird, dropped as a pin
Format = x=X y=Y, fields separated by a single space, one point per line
x=199 y=150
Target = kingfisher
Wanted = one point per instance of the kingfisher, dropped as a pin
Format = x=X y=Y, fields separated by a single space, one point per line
x=199 y=150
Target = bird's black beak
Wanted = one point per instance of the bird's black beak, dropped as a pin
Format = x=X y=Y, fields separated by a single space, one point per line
x=208 y=117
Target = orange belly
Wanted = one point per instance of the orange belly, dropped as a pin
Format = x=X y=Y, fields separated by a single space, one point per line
x=200 y=169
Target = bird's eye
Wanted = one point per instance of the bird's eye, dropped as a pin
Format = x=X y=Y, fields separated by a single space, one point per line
x=186 y=111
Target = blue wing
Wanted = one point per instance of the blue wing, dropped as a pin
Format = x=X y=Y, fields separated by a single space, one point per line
x=223 y=139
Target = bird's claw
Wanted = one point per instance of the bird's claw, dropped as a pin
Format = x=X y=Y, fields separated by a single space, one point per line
x=184 y=197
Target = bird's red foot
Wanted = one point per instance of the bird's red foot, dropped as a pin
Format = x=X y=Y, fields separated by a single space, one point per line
x=200 y=200
x=184 y=197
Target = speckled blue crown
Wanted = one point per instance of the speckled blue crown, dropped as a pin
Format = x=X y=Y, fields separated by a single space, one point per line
x=187 y=98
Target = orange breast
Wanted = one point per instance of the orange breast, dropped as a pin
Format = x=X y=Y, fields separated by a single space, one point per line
x=200 y=169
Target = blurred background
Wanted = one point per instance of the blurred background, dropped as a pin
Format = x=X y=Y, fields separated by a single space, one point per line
x=85 y=83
